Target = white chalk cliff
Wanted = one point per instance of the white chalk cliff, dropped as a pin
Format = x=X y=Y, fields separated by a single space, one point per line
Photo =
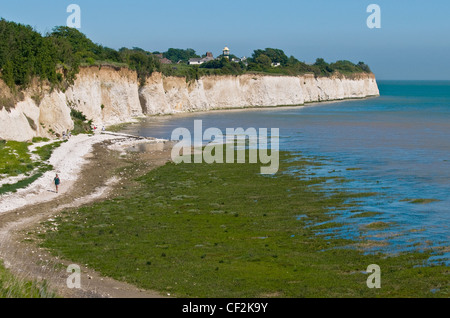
x=110 y=96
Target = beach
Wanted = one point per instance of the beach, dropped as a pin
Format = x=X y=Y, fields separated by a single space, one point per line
x=87 y=168
x=396 y=146
x=133 y=222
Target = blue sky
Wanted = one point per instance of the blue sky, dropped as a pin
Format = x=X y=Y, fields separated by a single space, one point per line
x=413 y=42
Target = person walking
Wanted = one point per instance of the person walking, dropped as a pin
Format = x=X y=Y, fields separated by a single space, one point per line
x=57 y=182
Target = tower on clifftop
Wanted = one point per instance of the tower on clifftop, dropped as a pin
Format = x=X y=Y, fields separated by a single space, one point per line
x=226 y=53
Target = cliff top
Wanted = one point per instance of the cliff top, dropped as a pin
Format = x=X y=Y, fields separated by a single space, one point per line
x=57 y=57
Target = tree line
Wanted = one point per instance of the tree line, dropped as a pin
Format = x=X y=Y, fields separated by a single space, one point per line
x=57 y=56
x=276 y=61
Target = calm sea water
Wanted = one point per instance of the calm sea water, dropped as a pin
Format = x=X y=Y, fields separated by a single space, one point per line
x=397 y=145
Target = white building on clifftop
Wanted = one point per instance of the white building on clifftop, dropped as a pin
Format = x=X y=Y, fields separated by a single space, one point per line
x=199 y=61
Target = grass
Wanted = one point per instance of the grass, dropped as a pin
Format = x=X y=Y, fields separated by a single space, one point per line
x=7 y=188
x=17 y=160
x=101 y=64
x=13 y=287
x=45 y=152
x=191 y=72
x=198 y=230
x=40 y=139
x=117 y=127
x=14 y=158
x=176 y=69
x=184 y=70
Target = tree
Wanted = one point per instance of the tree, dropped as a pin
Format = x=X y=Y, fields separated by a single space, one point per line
x=142 y=61
x=225 y=66
x=56 y=57
x=176 y=55
x=322 y=67
x=78 y=41
x=364 y=67
x=264 y=61
x=292 y=61
x=275 y=55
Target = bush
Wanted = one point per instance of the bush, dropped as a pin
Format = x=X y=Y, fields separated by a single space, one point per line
x=75 y=114
x=39 y=139
x=81 y=124
x=90 y=61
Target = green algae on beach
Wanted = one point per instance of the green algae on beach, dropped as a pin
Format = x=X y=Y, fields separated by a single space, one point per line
x=420 y=201
x=377 y=225
x=224 y=230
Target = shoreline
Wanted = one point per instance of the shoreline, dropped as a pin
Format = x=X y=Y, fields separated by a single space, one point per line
x=123 y=126
x=19 y=246
x=168 y=95
x=157 y=235
x=252 y=108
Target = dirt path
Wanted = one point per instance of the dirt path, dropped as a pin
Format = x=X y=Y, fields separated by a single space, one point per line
x=97 y=181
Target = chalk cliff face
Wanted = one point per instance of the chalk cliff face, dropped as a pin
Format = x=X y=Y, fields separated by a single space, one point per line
x=27 y=120
x=110 y=96
x=107 y=96
x=171 y=94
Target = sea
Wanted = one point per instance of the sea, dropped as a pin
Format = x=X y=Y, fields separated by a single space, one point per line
x=396 y=146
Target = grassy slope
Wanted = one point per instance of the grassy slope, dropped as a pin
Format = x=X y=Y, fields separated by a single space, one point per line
x=12 y=287
x=227 y=231
x=15 y=159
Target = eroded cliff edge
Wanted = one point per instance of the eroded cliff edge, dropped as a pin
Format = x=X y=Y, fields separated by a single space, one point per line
x=110 y=96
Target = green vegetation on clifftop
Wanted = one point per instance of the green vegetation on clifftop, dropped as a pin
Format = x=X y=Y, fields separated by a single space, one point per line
x=56 y=57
